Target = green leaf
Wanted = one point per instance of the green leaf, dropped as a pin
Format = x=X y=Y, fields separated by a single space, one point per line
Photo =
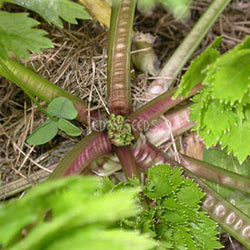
x=94 y=238
x=81 y=217
x=3 y=52
x=68 y=127
x=18 y=35
x=174 y=218
x=195 y=73
x=179 y=8
x=159 y=184
x=44 y=133
x=220 y=158
x=52 y=10
x=231 y=79
x=244 y=45
x=218 y=117
x=146 y=6
x=15 y=215
x=237 y=140
x=62 y=107
x=190 y=196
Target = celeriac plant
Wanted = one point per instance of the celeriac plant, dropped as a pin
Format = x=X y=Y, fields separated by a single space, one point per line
x=125 y=136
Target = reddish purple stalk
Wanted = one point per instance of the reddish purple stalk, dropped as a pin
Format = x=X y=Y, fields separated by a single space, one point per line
x=155 y=108
x=215 y=174
x=147 y=155
x=119 y=94
x=87 y=150
x=127 y=161
x=172 y=123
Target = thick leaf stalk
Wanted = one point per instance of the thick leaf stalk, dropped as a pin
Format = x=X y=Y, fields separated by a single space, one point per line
x=174 y=65
x=36 y=85
x=228 y=216
x=215 y=173
x=119 y=92
x=155 y=108
x=172 y=123
x=235 y=222
x=127 y=160
x=79 y=158
x=147 y=155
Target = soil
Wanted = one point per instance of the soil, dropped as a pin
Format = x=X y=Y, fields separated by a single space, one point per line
x=78 y=64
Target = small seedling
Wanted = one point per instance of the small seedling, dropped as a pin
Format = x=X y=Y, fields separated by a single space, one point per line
x=61 y=110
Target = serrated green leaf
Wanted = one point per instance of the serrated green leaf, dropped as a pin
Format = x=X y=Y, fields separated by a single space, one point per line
x=218 y=117
x=162 y=181
x=18 y=35
x=195 y=73
x=237 y=140
x=68 y=127
x=62 y=107
x=231 y=81
x=52 y=10
x=44 y=133
x=244 y=45
x=190 y=195
x=175 y=216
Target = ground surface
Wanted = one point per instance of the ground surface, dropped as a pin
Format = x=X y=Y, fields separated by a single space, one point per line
x=78 y=63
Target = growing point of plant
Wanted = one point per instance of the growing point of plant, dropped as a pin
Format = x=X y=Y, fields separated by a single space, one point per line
x=119 y=131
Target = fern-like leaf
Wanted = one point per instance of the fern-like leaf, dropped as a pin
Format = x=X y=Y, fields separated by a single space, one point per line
x=52 y=10
x=18 y=35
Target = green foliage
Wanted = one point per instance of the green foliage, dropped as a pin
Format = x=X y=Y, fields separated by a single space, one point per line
x=17 y=32
x=179 y=8
x=52 y=10
x=171 y=211
x=59 y=109
x=195 y=73
x=71 y=213
x=62 y=107
x=220 y=158
x=18 y=35
x=44 y=133
x=222 y=108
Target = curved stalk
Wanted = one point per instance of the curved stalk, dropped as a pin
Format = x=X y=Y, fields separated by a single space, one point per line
x=180 y=57
x=172 y=123
x=78 y=159
x=153 y=109
x=43 y=89
x=228 y=216
x=119 y=92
